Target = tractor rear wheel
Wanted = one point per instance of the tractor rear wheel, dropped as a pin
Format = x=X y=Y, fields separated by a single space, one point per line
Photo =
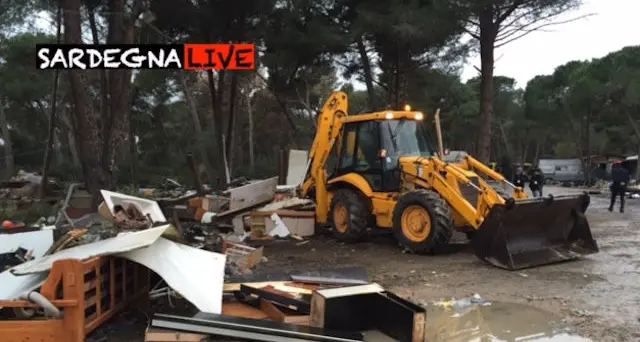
x=349 y=215
x=422 y=222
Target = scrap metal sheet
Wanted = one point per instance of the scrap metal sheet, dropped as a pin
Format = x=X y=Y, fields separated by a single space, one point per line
x=196 y=274
x=252 y=194
x=118 y=244
x=38 y=241
x=297 y=166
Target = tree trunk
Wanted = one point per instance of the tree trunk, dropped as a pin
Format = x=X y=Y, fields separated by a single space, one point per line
x=252 y=162
x=231 y=136
x=637 y=176
x=488 y=33
x=6 y=136
x=133 y=145
x=116 y=131
x=104 y=82
x=368 y=74
x=536 y=155
x=216 y=116
x=70 y=133
x=52 y=116
x=505 y=140
x=636 y=130
x=87 y=132
x=587 y=162
x=195 y=118
x=50 y=136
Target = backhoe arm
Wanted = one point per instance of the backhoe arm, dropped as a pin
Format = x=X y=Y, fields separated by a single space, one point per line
x=474 y=164
x=327 y=131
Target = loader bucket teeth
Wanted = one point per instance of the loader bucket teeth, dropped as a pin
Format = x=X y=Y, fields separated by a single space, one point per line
x=535 y=232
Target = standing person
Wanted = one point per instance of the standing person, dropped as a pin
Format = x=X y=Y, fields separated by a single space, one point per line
x=519 y=179
x=536 y=181
x=620 y=177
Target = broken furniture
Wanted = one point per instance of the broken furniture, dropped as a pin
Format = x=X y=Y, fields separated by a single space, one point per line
x=88 y=292
x=244 y=257
x=300 y=223
x=296 y=302
x=76 y=205
x=368 y=307
x=223 y=204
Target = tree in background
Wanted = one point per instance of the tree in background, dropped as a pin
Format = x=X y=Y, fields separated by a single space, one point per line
x=583 y=108
x=494 y=23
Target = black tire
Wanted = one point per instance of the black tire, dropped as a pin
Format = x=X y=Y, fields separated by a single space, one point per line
x=440 y=216
x=358 y=214
x=470 y=234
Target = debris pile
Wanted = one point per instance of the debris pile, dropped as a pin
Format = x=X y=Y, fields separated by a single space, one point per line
x=320 y=306
x=25 y=186
x=222 y=285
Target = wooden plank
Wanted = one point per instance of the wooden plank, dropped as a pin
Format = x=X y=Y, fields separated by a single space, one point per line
x=285 y=213
x=236 y=309
x=19 y=303
x=164 y=335
x=280 y=285
x=284 y=299
x=274 y=312
x=271 y=311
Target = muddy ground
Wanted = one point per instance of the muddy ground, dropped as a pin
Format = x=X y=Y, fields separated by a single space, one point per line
x=599 y=295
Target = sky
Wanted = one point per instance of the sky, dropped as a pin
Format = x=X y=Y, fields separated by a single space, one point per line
x=613 y=25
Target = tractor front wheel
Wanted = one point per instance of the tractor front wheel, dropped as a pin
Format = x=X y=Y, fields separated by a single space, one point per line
x=422 y=222
x=349 y=216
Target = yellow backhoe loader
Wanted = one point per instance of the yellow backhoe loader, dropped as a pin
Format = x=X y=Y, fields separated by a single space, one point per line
x=381 y=170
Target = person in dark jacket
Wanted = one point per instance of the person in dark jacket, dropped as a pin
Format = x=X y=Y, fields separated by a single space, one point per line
x=519 y=179
x=620 y=177
x=536 y=181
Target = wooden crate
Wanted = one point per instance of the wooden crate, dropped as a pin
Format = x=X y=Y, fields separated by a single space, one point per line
x=90 y=292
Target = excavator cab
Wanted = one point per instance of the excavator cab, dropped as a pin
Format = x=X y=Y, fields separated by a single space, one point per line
x=373 y=149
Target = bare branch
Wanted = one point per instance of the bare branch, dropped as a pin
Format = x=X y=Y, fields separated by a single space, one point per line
x=523 y=27
x=472 y=23
x=524 y=32
x=515 y=20
x=361 y=73
x=475 y=34
x=502 y=17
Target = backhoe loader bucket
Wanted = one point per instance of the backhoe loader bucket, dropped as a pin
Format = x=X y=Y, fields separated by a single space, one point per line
x=531 y=232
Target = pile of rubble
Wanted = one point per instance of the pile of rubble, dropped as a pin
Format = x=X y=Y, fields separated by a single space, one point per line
x=224 y=232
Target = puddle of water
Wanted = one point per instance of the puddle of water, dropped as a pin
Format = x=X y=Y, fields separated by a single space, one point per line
x=496 y=322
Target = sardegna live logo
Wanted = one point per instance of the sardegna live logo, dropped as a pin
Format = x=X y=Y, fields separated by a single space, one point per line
x=175 y=56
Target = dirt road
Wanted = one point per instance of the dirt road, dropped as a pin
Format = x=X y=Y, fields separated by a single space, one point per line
x=599 y=295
